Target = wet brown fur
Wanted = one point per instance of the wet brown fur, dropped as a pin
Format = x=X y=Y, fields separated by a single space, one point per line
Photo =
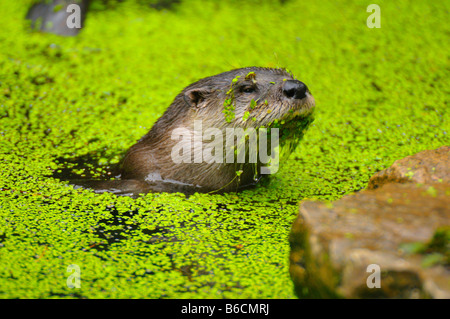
x=148 y=166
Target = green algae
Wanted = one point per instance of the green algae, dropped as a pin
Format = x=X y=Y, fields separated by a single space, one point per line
x=381 y=95
x=436 y=251
x=228 y=103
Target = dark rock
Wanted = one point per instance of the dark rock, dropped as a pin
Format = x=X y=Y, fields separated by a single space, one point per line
x=427 y=167
x=402 y=228
x=52 y=16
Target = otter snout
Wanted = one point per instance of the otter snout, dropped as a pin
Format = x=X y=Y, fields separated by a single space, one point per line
x=294 y=89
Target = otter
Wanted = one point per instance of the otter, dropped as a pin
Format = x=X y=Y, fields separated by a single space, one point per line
x=211 y=137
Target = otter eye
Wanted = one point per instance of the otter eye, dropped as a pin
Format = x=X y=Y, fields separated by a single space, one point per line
x=248 y=89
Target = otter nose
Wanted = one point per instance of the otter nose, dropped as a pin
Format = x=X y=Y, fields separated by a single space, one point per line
x=294 y=89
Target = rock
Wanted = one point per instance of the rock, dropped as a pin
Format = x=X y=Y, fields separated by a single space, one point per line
x=427 y=167
x=404 y=229
x=53 y=16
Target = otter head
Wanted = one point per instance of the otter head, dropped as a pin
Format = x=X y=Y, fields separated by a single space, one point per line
x=250 y=97
x=253 y=98
x=213 y=134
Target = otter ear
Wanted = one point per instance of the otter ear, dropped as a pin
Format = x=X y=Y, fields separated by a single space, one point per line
x=196 y=97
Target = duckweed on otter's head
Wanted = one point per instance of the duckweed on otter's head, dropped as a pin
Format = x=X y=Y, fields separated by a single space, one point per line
x=73 y=105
